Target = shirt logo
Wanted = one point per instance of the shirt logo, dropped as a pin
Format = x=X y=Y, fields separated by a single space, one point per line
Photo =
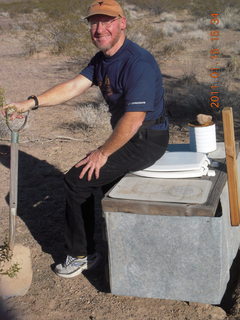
x=105 y=86
x=137 y=102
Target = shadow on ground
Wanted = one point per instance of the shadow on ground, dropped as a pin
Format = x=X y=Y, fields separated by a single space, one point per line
x=41 y=206
x=229 y=298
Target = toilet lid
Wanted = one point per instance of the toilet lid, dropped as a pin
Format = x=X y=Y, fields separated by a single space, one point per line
x=172 y=174
x=177 y=165
x=180 y=161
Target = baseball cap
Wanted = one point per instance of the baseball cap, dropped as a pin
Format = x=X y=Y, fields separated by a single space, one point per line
x=106 y=7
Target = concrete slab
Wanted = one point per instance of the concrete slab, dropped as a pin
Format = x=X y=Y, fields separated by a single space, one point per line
x=165 y=190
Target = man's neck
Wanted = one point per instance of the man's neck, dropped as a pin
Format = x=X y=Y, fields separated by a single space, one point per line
x=115 y=48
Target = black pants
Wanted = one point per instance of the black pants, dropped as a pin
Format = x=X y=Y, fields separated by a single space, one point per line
x=140 y=152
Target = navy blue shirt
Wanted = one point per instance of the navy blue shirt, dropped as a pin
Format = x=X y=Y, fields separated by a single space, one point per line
x=130 y=80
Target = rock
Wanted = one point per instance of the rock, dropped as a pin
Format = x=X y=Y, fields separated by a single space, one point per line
x=204 y=119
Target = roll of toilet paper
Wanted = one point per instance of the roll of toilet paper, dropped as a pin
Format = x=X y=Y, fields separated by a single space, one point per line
x=203 y=138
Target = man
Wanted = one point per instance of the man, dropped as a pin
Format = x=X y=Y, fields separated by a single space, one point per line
x=131 y=83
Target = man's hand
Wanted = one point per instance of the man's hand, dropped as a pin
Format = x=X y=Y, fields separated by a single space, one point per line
x=125 y=129
x=93 y=162
x=16 y=109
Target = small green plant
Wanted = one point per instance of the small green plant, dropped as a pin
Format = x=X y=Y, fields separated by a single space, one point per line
x=12 y=271
x=5 y=256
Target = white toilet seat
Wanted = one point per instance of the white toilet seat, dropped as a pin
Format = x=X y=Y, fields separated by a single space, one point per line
x=177 y=165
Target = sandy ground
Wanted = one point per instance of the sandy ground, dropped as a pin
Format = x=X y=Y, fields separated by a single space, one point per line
x=44 y=157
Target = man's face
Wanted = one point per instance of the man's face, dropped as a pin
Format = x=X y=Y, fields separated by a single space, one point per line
x=107 y=32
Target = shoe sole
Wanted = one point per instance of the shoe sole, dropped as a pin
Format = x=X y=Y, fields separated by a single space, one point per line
x=78 y=271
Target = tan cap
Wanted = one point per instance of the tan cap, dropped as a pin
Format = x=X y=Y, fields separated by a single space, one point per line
x=106 y=7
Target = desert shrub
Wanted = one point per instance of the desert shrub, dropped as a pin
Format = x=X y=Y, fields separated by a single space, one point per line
x=233 y=67
x=230 y=19
x=203 y=23
x=15 y=8
x=93 y=114
x=89 y=116
x=160 y=6
x=2 y=99
x=186 y=101
x=146 y=35
x=172 y=48
x=171 y=27
x=236 y=48
x=69 y=36
x=3 y=127
x=53 y=8
x=195 y=35
x=54 y=25
x=59 y=9
x=166 y=16
x=200 y=8
x=186 y=97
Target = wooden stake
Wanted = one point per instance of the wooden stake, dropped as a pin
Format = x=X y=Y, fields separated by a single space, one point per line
x=233 y=187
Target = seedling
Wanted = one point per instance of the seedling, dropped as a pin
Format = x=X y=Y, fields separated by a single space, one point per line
x=5 y=256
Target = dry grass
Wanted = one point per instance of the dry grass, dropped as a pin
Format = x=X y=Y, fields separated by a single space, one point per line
x=172 y=48
x=94 y=115
x=187 y=97
x=170 y=28
x=57 y=26
x=146 y=35
x=2 y=99
x=89 y=116
x=53 y=8
x=158 y=7
x=195 y=35
x=233 y=67
x=230 y=19
x=198 y=8
x=236 y=48
x=15 y=8
x=69 y=36
x=204 y=9
x=3 y=127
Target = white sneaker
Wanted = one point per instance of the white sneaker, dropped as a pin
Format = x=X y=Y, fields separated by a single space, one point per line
x=72 y=267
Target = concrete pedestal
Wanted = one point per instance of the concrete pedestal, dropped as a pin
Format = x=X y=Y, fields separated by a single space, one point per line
x=180 y=257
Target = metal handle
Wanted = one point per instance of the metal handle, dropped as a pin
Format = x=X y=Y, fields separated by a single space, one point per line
x=13 y=188
x=13 y=171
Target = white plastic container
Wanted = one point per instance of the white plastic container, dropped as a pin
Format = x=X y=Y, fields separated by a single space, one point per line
x=203 y=138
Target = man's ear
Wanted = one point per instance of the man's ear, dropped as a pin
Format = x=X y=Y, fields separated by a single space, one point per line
x=123 y=23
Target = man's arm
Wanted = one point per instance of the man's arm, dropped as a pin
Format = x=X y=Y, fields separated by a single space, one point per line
x=125 y=129
x=56 y=95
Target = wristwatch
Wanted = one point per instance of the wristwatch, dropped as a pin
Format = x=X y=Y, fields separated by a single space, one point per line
x=36 y=102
